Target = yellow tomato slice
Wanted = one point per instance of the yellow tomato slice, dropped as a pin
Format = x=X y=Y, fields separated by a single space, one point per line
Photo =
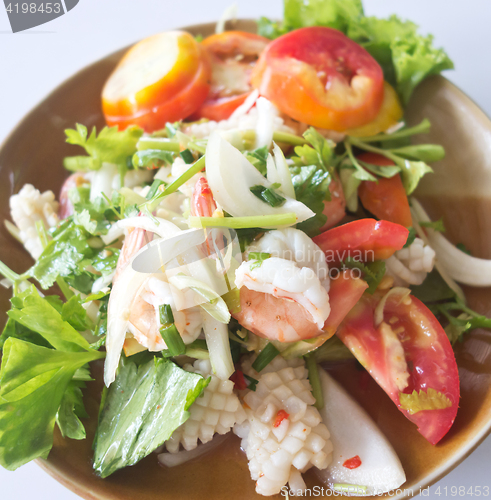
x=389 y=115
x=162 y=78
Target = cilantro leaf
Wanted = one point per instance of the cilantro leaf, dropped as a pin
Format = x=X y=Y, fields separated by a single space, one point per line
x=73 y=313
x=435 y=225
x=311 y=184
x=33 y=380
x=319 y=153
x=110 y=146
x=141 y=410
x=372 y=272
x=71 y=410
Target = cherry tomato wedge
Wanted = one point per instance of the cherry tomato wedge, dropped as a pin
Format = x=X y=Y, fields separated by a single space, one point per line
x=409 y=351
x=320 y=77
x=233 y=55
x=344 y=292
x=387 y=198
x=163 y=78
x=364 y=240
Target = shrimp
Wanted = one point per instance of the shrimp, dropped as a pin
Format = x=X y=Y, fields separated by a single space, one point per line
x=202 y=201
x=335 y=208
x=144 y=320
x=284 y=297
x=73 y=181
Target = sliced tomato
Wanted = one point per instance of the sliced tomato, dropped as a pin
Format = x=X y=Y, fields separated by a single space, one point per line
x=386 y=198
x=409 y=351
x=389 y=115
x=163 y=78
x=320 y=77
x=344 y=292
x=364 y=240
x=335 y=208
x=233 y=55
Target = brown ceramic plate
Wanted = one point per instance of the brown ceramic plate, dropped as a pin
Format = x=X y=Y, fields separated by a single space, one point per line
x=459 y=191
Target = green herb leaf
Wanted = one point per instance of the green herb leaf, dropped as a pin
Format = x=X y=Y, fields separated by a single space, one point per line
x=73 y=313
x=141 y=410
x=410 y=237
x=435 y=225
x=71 y=410
x=152 y=158
x=270 y=29
x=111 y=145
x=372 y=272
x=36 y=314
x=33 y=381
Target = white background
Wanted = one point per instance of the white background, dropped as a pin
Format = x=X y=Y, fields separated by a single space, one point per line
x=32 y=63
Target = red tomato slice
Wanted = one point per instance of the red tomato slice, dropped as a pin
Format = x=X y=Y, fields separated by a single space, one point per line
x=335 y=208
x=364 y=240
x=163 y=78
x=386 y=199
x=320 y=77
x=233 y=55
x=345 y=291
x=408 y=352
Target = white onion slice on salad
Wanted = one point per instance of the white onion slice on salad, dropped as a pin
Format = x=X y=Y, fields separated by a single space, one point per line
x=174 y=459
x=265 y=122
x=216 y=334
x=278 y=171
x=353 y=433
x=460 y=266
x=230 y=176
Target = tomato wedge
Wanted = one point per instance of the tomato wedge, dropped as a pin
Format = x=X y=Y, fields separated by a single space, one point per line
x=163 y=78
x=364 y=240
x=344 y=292
x=233 y=55
x=408 y=351
x=386 y=199
x=320 y=77
x=335 y=208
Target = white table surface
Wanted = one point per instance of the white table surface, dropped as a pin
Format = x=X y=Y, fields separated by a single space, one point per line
x=33 y=62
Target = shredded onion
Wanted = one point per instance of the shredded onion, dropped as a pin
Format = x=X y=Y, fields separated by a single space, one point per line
x=265 y=122
x=230 y=176
x=229 y=14
x=378 y=314
x=173 y=459
x=102 y=181
x=246 y=106
x=216 y=335
x=278 y=171
x=458 y=265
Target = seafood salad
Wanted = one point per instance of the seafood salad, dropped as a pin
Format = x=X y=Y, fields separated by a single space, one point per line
x=246 y=218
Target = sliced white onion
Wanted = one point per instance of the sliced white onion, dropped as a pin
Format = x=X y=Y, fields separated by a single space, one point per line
x=102 y=282
x=460 y=266
x=174 y=459
x=278 y=171
x=246 y=106
x=230 y=176
x=229 y=14
x=115 y=232
x=353 y=433
x=216 y=335
x=102 y=181
x=161 y=227
x=265 y=122
x=378 y=314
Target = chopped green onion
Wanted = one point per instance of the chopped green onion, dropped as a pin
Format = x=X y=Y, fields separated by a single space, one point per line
x=289 y=138
x=187 y=156
x=265 y=357
x=158 y=143
x=171 y=128
x=166 y=316
x=154 y=188
x=244 y=222
x=436 y=225
x=252 y=382
x=232 y=299
x=173 y=340
x=350 y=488
x=268 y=195
x=422 y=128
x=197 y=353
x=259 y=255
x=315 y=381
x=198 y=344
x=171 y=188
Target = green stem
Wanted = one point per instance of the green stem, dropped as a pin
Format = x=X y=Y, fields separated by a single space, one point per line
x=244 y=222
x=287 y=138
x=396 y=159
x=367 y=176
x=172 y=188
x=158 y=143
x=315 y=381
x=65 y=289
x=8 y=273
x=422 y=128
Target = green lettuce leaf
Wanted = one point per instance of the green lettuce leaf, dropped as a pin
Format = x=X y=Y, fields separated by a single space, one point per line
x=38 y=315
x=141 y=410
x=338 y=14
x=33 y=381
x=111 y=146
